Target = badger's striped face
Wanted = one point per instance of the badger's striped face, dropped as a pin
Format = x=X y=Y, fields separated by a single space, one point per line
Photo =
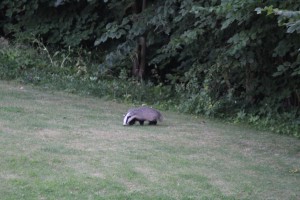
x=126 y=119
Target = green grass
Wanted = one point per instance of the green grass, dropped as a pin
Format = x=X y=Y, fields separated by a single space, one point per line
x=60 y=146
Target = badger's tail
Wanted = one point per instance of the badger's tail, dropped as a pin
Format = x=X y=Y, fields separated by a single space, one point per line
x=160 y=117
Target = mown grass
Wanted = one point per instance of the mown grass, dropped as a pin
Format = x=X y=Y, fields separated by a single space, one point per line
x=60 y=146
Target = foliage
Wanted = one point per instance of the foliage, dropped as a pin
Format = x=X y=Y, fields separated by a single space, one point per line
x=223 y=58
x=17 y=60
x=64 y=24
x=291 y=19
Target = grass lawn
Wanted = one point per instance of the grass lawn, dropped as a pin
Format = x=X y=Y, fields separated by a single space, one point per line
x=61 y=146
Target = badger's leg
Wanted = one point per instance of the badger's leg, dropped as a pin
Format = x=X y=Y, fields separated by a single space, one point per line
x=153 y=122
x=141 y=122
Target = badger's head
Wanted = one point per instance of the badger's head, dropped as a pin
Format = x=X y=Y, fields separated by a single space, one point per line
x=129 y=119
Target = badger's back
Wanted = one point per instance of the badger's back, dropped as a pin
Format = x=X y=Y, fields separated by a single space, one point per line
x=147 y=114
x=143 y=113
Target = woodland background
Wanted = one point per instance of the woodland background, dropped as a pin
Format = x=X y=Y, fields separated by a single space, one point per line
x=231 y=59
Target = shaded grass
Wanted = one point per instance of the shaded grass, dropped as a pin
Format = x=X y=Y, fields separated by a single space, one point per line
x=60 y=146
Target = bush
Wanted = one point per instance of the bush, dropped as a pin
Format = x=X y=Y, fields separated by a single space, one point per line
x=17 y=60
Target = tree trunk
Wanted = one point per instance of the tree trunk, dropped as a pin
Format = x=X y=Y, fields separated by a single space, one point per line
x=249 y=85
x=139 y=59
x=142 y=51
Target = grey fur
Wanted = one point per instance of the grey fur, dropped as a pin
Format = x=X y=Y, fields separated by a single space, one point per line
x=142 y=114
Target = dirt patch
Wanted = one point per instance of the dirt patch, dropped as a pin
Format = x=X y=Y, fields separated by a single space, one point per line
x=48 y=134
x=8 y=176
x=92 y=140
x=151 y=174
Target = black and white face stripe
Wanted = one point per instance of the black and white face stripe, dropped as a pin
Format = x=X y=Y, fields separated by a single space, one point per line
x=126 y=118
x=129 y=117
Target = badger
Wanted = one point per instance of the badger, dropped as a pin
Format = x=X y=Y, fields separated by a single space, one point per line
x=142 y=114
